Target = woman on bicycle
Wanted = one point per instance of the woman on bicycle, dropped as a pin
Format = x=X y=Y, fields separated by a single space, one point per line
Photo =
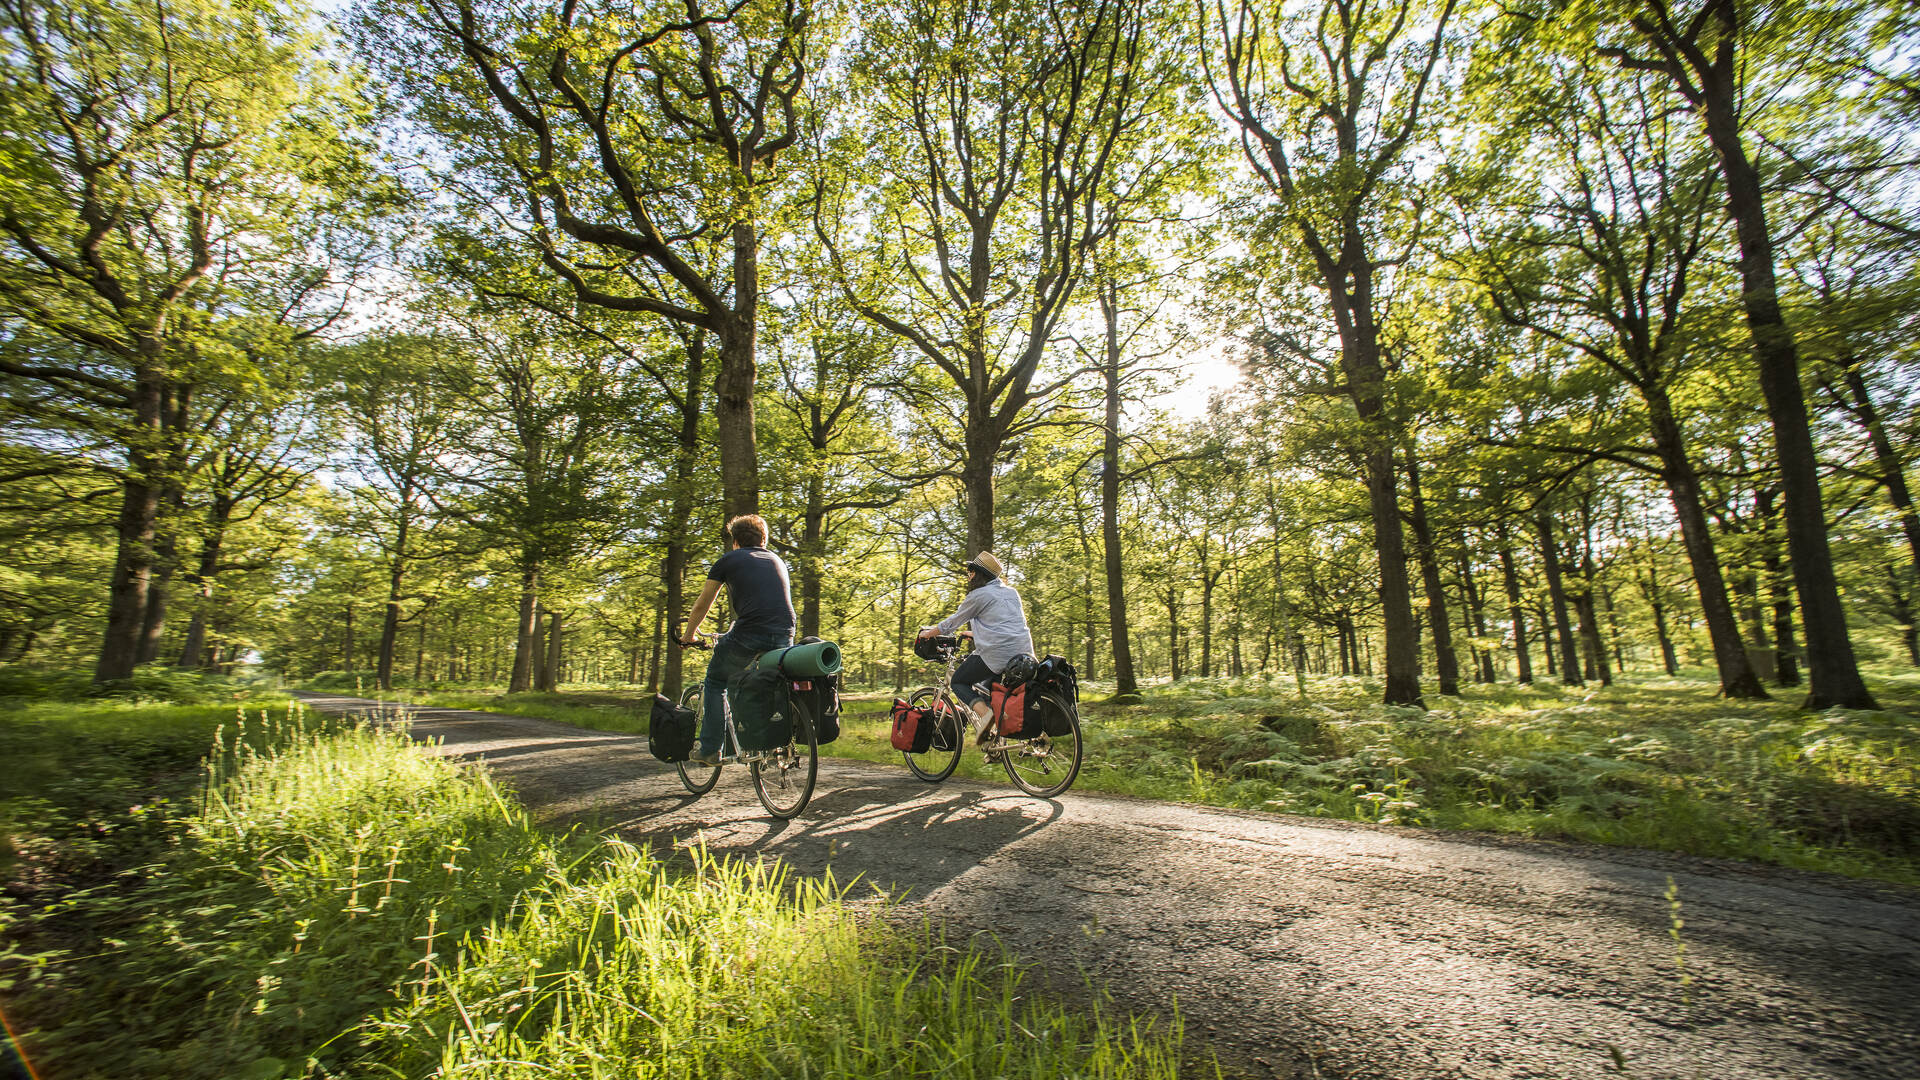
x=999 y=634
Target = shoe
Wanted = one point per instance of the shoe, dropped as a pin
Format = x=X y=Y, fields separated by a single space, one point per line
x=983 y=729
x=709 y=758
x=995 y=757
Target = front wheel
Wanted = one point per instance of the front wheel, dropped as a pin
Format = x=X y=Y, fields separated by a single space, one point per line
x=784 y=777
x=1045 y=766
x=698 y=778
x=949 y=736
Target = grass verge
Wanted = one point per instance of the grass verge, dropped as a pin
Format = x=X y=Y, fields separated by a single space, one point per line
x=334 y=902
x=1659 y=763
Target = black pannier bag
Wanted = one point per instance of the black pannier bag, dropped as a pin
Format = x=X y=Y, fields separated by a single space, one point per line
x=912 y=728
x=1058 y=675
x=762 y=708
x=671 y=730
x=820 y=696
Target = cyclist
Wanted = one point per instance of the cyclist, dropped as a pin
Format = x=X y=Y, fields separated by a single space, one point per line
x=761 y=596
x=999 y=634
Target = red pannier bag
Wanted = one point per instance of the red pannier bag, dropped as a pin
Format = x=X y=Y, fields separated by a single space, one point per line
x=1011 y=712
x=911 y=732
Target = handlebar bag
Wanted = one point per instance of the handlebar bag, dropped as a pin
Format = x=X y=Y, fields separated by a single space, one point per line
x=911 y=731
x=671 y=730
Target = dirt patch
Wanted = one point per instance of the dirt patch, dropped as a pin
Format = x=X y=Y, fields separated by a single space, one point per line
x=1308 y=948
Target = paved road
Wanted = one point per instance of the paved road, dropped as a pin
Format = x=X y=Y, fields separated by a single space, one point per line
x=1299 y=947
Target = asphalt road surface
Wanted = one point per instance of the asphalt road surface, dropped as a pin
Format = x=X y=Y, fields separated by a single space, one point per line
x=1300 y=947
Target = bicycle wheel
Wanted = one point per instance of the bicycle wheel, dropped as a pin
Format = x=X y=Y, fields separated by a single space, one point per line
x=1047 y=765
x=698 y=778
x=784 y=778
x=949 y=738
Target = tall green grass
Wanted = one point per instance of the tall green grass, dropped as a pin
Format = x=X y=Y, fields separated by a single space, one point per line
x=338 y=902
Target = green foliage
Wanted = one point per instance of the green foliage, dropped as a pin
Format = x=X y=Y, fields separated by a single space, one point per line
x=1648 y=763
x=340 y=900
x=149 y=683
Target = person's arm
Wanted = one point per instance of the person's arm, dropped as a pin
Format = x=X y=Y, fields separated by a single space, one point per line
x=969 y=607
x=700 y=606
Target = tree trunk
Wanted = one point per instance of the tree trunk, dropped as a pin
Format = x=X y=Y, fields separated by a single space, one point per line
x=132 y=573
x=1510 y=577
x=1446 y=661
x=1125 y=684
x=733 y=390
x=420 y=651
x=1208 y=579
x=1667 y=658
x=813 y=547
x=527 y=628
x=153 y=620
x=1172 y=597
x=1833 y=672
x=1557 y=596
x=1737 y=677
x=900 y=636
x=390 y=628
x=193 y=651
x=348 y=645
x=552 y=668
x=1786 y=668
x=976 y=479
x=1597 y=664
x=1476 y=609
x=1903 y=614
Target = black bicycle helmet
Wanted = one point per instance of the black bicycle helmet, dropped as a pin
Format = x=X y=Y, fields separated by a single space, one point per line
x=1019 y=670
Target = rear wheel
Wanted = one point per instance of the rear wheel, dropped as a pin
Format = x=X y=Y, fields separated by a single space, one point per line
x=942 y=755
x=784 y=778
x=1046 y=766
x=698 y=778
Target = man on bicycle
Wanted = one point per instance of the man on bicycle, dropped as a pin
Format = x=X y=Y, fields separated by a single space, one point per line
x=762 y=600
x=999 y=634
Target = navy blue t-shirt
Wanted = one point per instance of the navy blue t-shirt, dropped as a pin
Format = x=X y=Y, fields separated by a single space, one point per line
x=757 y=589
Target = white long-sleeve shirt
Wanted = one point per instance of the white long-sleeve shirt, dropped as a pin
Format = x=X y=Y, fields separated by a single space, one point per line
x=999 y=624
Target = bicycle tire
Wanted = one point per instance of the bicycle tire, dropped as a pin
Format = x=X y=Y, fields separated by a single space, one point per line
x=936 y=765
x=784 y=779
x=698 y=778
x=1046 y=766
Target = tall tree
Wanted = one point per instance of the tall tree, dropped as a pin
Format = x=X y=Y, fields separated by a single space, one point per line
x=1329 y=97
x=608 y=145
x=1595 y=242
x=991 y=128
x=1705 y=52
x=175 y=173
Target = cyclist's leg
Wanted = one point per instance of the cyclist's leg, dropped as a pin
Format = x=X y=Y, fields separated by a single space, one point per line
x=972 y=670
x=727 y=658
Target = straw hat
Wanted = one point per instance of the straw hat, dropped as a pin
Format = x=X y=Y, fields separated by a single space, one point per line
x=987 y=563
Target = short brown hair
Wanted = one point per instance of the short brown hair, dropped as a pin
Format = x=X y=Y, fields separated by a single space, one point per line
x=748 y=530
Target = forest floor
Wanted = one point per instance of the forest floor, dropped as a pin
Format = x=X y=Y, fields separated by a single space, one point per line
x=1302 y=947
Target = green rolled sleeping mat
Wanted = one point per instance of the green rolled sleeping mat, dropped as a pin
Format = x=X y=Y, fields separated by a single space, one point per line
x=805 y=661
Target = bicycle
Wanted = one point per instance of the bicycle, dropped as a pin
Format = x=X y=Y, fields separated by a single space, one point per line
x=783 y=777
x=1044 y=766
